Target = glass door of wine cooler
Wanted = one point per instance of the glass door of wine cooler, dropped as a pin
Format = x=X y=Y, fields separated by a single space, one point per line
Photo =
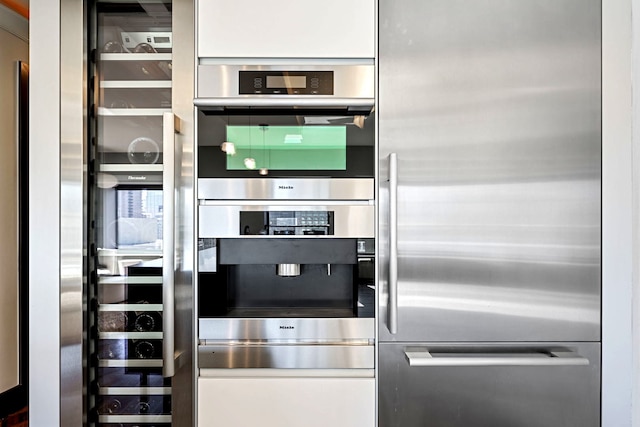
x=130 y=86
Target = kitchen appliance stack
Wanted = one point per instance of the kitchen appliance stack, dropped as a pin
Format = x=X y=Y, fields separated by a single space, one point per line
x=349 y=214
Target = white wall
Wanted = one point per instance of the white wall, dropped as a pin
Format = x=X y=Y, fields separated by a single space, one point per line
x=617 y=241
x=12 y=49
x=636 y=215
x=44 y=215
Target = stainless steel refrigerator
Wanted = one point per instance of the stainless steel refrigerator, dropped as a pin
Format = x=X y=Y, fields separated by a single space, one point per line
x=490 y=213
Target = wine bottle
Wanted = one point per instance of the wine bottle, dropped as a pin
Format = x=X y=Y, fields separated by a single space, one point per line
x=110 y=406
x=143 y=349
x=147 y=321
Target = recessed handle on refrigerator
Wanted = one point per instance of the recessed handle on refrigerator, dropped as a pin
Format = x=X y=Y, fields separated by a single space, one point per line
x=392 y=309
x=423 y=357
x=170 y=126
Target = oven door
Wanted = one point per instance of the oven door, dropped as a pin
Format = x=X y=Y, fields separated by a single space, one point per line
x=285 y=142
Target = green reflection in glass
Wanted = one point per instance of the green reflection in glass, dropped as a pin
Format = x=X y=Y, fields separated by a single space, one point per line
x=289 y=147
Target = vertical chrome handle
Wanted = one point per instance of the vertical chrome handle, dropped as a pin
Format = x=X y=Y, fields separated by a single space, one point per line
x=392 y=323
x=170 y=126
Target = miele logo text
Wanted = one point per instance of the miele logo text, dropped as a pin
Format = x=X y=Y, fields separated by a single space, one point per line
x=287 y=327
x=285 y=187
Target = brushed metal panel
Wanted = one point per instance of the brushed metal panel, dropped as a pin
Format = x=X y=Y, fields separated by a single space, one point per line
x=292 y=356
x=493 y=108
x=489 y=396
x=286 y=329
x=73 y=212
x=183 y=397
x=224 y=221
x=350 y=81
x=285 y=189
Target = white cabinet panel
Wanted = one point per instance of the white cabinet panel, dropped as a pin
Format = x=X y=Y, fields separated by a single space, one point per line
x=286 y=29
x=289 y=401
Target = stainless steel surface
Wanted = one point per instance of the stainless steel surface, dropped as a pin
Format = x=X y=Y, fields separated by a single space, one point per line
x=73 y=212
x=286 y=356
x=288 y=270
x=288 y=329
x=392 y=322
x=489 y=396
x=135 y=418
x=170 y=124
x=421 y=356
x=221 y=81
x=497 y=130
x=363 y=104
x=284 y=373
x=130 y=363
x=285 y=189
x=134 y=391
x=224 y=221
x=182 y=94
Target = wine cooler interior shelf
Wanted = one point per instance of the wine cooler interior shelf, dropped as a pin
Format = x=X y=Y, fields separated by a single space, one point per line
x=131 y=83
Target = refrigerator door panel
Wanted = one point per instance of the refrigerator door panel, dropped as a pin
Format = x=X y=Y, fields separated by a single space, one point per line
x=495 y=386
x=496 y=130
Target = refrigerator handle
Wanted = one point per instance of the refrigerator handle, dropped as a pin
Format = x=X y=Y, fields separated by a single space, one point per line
x=423 y=357
x=170 y=126
x=392 y=309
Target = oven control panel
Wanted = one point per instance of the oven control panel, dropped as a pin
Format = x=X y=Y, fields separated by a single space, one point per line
x=286 y=82
x=287 y=223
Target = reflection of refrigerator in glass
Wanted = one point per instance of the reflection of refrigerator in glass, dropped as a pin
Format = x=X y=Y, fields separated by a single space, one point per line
x=489 y=213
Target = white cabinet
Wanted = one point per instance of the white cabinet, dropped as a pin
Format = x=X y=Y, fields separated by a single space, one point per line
x=286 y=401
x=286 y=29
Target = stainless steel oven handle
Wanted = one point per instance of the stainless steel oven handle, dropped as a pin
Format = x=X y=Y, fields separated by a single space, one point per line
x=287 y=101
x=424 y=357
x=393 y=244
x=170 y=126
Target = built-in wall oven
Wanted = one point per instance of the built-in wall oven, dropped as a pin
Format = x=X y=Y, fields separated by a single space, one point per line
x=286 y=220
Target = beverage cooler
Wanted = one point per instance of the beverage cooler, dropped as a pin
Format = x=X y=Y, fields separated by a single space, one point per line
x=131 y=194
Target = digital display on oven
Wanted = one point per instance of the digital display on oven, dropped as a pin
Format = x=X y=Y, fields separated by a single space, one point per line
x=285 y=83
x=294 y=82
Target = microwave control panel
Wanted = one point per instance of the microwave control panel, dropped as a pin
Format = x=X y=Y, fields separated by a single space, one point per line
x=286 y=82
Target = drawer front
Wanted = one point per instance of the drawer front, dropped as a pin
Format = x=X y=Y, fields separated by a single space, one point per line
x=291 y=402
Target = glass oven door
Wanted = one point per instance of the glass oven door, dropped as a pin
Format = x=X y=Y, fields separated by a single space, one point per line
x=252 y=142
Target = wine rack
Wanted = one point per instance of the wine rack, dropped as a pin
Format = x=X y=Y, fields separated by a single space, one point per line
x=131 y=90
